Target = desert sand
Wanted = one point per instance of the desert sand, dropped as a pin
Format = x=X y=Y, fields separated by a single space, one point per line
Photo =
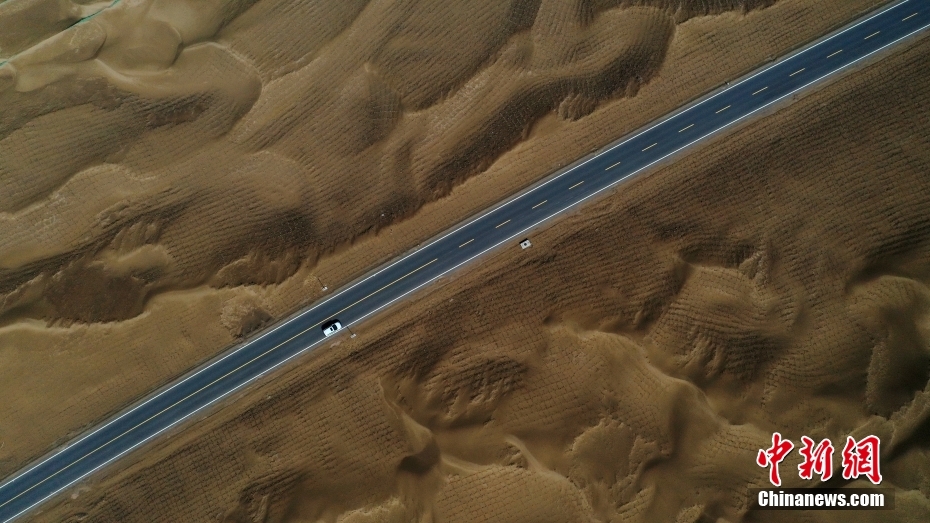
x=174 y=175
x=167 y=190
x=629 y=365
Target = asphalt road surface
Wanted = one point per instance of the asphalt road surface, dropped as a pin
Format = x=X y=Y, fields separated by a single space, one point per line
x=503 y=225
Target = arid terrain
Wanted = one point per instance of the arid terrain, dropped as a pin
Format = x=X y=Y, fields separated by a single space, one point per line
x=629 y=365
x=173 y=177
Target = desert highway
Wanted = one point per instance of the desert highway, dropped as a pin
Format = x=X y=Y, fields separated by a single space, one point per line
x=503 y=225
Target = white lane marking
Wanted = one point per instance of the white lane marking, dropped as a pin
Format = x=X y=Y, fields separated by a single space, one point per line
x=612 y=166
x=576 y=185
x=798 y=71
x=906 y=18
x=871 y=35
x=499 y=225
x=208 y=385
x=651 y=146
x=760 y=90
x=675 y=114
x=831 y=55
x=196 y=372
x=540 y=203
x=718 y=111
x=466 y=243
x=360 y=300
x=686 y=128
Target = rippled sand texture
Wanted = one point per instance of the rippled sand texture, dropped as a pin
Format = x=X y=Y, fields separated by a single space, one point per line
x=174 y=174
x=629 y=365
x=163 y=145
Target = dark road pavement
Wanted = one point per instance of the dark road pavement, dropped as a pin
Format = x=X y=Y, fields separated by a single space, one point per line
x=504 y=224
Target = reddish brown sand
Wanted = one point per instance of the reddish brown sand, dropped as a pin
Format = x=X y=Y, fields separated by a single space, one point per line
x=628 y=366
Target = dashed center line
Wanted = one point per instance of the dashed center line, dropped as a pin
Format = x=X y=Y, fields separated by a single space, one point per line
x=376 y=292
x=366 y=297
x=201 y=389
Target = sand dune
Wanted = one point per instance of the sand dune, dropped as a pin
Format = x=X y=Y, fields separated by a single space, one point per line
x=173 y=175
x=777 y=280
x=209 y=125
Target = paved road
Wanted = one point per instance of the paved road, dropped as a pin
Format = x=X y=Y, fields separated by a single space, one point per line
x=505 y=224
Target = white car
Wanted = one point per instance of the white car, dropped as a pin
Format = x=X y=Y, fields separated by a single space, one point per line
x=331 y=327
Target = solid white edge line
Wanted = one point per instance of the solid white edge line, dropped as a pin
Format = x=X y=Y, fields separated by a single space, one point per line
x=515 y=198
x=299 y=315
x=208 y=385
x=197 y=372
x=667 y=118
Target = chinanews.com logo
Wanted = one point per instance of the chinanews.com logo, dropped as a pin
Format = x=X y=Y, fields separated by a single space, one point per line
x=859 y=459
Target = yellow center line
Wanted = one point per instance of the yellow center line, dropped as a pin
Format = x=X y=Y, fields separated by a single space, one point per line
x=185 y=398
x=909 y=17
x=871 y=35
x=466 y=243
x=831 y=55
x=576 y=185
x=722 y=110
x=686 y=128
x=760 y=90
x=798 y=71
x=651 y=146
x=502 y=224
x=612 y=166
x=540 y=203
